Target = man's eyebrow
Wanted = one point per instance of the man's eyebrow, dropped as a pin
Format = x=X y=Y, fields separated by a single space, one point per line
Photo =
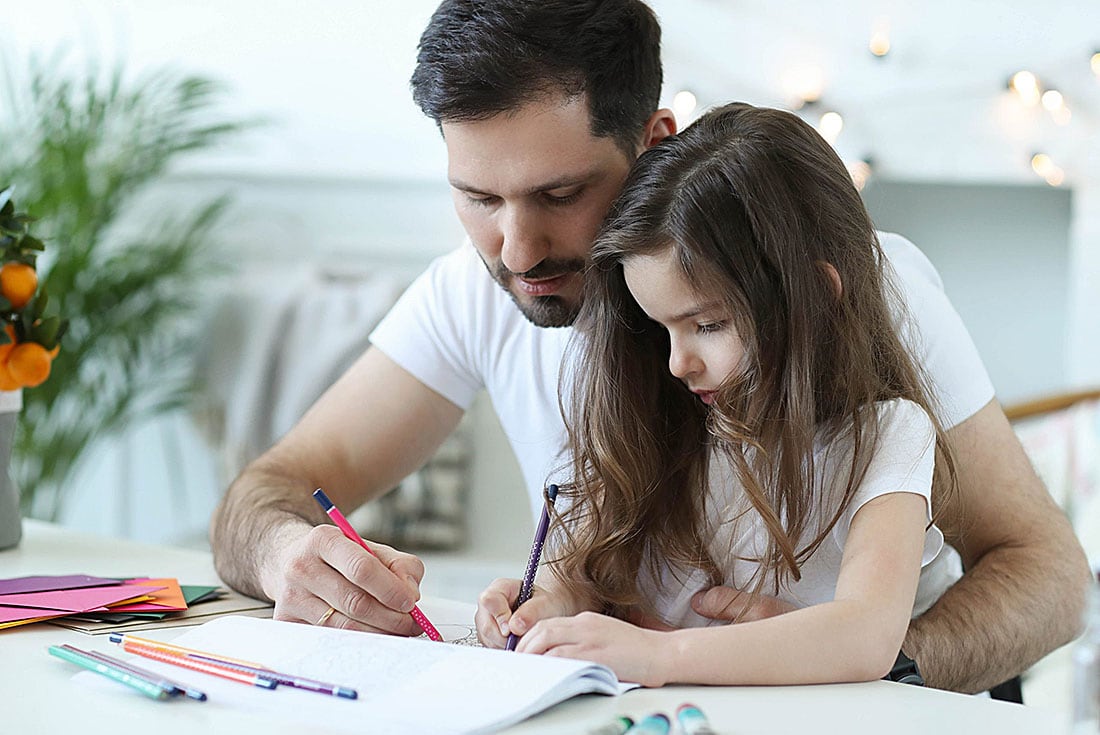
x=559 y=183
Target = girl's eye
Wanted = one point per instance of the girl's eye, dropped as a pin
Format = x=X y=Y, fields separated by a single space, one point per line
x=561 y=201
x=709 y=327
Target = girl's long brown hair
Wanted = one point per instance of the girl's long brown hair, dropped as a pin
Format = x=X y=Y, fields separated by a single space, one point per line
x=753 y=202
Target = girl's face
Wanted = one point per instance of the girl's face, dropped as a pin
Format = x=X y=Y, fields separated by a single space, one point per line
x=705 y=348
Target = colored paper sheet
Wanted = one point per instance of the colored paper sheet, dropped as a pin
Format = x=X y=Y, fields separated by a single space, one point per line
x=192 y=595
x=229 y=603
x=168 y=599
x=19 y=585
x=196 y=594
x=12 y=616
x=78 y=600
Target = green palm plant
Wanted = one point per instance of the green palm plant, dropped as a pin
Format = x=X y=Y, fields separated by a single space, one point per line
x=79 y=152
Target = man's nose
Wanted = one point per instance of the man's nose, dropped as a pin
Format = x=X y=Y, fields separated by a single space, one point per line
x=525 y=244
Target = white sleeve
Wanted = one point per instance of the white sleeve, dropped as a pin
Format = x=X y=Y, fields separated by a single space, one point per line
x=936 y=334
x=431 y=330
x=903 y=462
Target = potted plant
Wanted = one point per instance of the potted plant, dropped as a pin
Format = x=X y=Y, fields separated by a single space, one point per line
x=83 y=152
x=29 y=341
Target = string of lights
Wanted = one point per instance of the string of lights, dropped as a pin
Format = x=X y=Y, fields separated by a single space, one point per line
x=804 y=88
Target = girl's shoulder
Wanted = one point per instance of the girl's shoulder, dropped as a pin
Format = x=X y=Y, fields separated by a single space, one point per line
x=895 y=419
x=899 y=407
x=901 y=414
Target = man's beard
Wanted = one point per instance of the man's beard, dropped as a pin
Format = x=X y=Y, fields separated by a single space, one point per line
x=542 y=311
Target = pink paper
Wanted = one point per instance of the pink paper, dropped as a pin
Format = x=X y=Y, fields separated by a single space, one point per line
x=12 y=614
x=76 y=600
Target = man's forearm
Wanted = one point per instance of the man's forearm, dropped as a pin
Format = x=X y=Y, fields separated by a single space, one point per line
x=251 y=523
x=1009 y=610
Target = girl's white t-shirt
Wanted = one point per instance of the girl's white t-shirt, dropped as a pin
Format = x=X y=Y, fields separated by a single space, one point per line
x=902 y=462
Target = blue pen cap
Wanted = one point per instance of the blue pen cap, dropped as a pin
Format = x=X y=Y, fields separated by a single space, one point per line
x=655 y=724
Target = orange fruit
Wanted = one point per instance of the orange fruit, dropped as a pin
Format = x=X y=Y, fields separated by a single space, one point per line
x=18 y=282
x=7 y=382
x=29 y=364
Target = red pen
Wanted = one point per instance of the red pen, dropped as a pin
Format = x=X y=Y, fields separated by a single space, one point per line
x=342 y=523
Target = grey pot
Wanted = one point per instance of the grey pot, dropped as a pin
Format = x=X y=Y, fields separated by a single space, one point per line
x=11 y=521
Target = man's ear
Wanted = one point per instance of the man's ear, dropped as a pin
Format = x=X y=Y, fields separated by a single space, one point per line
x=659 y=126
x=834 y=277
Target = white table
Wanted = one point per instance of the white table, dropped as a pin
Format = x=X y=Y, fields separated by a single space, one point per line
x=38 y=696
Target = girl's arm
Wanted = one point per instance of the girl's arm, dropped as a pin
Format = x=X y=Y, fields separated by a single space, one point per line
x=856 y=637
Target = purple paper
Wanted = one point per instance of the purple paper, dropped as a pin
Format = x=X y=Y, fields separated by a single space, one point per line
x=18 y=585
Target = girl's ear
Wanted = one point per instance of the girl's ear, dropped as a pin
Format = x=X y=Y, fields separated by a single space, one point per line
x=831 y=273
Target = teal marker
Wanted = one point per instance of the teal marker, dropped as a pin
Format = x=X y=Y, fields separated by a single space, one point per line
x=619 y=726
x=655 y=724
x=693 y=721
x=148 y=688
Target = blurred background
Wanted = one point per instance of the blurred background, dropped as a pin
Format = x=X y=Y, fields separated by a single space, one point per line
x=261 y=171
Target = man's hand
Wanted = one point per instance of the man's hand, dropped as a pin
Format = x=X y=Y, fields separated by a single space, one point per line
x=323 y=568
x=270 y=538
x=733 y=605
x=495 y=620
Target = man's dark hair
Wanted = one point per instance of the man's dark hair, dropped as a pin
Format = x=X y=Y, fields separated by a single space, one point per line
x=479 y=58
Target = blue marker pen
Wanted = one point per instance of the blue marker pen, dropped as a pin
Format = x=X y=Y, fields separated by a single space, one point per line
x=693 y=721
x=655 y=724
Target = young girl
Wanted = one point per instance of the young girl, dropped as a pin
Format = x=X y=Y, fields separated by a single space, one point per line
x=746 y=415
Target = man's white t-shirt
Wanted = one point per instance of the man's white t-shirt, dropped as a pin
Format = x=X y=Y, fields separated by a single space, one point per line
x=457 y=331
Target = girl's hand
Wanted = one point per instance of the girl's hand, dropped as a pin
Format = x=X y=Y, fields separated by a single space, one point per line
x=495 y=620
x=633 y=653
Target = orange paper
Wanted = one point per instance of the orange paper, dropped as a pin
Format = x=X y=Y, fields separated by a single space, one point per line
x=168 y=599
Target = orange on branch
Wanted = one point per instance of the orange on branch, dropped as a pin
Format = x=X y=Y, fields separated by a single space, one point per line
x=18 y=282
x=29 y=364
x=7 y=382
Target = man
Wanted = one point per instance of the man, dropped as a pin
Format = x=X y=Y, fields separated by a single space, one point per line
x=543 y=107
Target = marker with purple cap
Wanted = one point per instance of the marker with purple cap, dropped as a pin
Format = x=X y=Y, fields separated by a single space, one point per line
x=527 y=586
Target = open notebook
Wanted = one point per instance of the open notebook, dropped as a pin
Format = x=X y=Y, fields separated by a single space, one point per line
x=405 y=685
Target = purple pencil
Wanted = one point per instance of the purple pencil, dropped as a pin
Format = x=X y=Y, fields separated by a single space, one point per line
x=289 y=680
x=528 y=583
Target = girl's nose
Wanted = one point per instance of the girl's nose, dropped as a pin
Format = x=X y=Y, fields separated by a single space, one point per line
x=681 y=362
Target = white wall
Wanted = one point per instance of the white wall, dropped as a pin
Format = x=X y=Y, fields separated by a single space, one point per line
x=330 y=78
x=1004 y=255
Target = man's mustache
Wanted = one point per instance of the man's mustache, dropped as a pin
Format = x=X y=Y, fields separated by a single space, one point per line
x=545 y=269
